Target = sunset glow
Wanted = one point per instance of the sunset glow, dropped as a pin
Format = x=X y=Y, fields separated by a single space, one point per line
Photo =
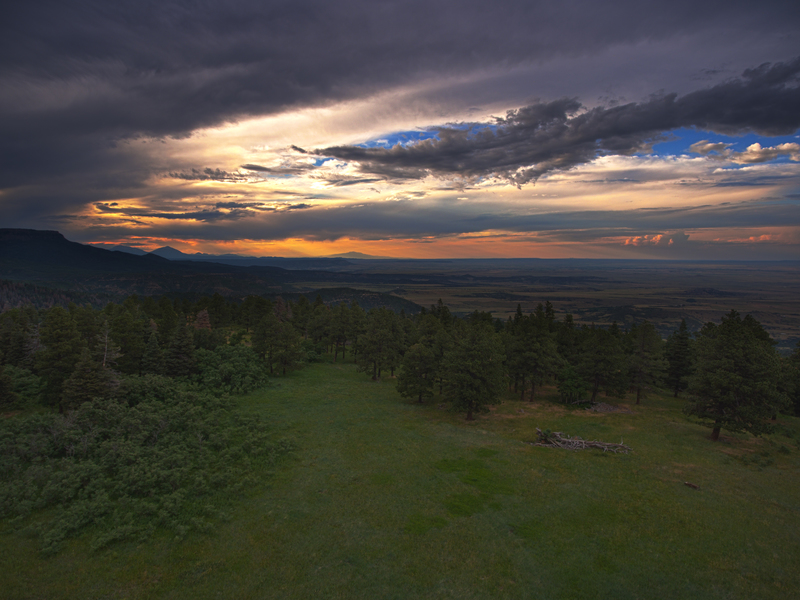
x=536 y=141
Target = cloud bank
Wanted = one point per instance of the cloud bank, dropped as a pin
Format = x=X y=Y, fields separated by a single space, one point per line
x=537 y=139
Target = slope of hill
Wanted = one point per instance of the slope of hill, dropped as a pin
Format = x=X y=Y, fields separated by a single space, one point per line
x=48 y=260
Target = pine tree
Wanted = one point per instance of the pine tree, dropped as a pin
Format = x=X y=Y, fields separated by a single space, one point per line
x=287 y=353
x=61 y=350
x=7 y=396
x=793 y=379
x=88 y=381
x=535 y=350
x=646 y=362
x=601 y=361
x=474 y=370
x=129 y=328
x=679 y=358
x=264 y=339
x=153 y=357
x=418 y=372
x=179 y=357
x=735 y=384
x=379 y=347
x=107 y=351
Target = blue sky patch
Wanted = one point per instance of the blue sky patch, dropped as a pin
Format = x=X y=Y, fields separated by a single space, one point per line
x=683 y=138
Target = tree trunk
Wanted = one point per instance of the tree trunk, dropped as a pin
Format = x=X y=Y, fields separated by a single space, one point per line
x=596 y=387
x=374 y=371
x=522 y=388
x=469 y=415
x=715 y=432
x=419 y=399
x=533 y=389
x=638 y=393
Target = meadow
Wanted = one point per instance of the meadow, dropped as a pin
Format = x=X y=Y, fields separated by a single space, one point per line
x=385 y=498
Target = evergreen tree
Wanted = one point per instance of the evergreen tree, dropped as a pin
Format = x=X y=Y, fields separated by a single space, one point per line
x=129 y=329
x=418 y=372
x=601 y=361
x=107 y=351
x=87 y=382
x=7 y=396
x=88 y=324
x=567 y=339
x=735 y=384
x=793 y=379
x=18 y=327
x=358 y=325
x=264 y=337
x=646 y=362
x=167 y=318
x=301 y=314
x=61 y=350
x=379 y=346
x=679 y=359
x=442 y=313
x=571 y=386
x=536 y=352
x=319 y=325
x=254 y=308
x=474 y=370
x=287 y=352
x=179 y=356
x=340 y=329
x=153 y=358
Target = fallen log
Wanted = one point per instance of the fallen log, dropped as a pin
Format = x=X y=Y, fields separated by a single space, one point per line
x=556 y=439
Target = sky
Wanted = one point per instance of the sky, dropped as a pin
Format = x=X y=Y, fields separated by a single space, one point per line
x=417 y=129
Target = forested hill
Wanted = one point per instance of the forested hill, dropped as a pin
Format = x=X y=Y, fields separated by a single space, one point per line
x=26 y=253
x=44 y=269
x=46 y=258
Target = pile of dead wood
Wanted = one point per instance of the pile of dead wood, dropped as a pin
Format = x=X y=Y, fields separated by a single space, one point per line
x=556 y=439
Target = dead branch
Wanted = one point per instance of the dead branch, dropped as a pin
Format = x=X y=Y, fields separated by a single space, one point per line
x=556 y=439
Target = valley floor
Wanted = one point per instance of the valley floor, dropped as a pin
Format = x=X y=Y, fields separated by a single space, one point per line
x=384 y=498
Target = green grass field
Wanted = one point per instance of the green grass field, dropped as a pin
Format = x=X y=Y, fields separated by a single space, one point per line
x=387 y=499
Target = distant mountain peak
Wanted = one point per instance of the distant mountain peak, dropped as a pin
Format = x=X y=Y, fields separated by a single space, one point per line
x=169 y=252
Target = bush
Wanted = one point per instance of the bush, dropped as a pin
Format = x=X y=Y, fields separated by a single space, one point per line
x=230 y=369
x=26 y=388
x=149 y=460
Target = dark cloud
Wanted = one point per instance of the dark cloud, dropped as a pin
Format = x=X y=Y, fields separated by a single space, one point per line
x=254 y=206
x=89 y=88
x=532 y=141
x=407 y=219
x=76 y=75
x=208 y=174
x=294 y=169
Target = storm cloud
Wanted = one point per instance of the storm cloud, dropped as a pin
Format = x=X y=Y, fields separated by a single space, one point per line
x=214 y=120
x=532 y=141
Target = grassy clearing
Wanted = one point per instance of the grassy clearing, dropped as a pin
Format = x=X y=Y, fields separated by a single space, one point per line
x=388 y=499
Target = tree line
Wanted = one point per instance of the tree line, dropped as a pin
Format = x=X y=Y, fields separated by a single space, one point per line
x=126 y=427
x=731 y=373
